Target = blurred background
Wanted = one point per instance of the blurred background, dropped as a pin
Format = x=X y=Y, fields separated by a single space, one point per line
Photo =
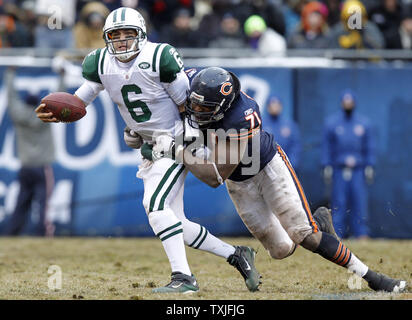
x=302 y=54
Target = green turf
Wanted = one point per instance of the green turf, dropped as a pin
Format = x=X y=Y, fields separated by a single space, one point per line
x=128 y=268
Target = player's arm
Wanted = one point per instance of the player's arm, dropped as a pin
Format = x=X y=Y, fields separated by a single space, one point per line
x=226 y=156
x=173 y=77
x=87 y=92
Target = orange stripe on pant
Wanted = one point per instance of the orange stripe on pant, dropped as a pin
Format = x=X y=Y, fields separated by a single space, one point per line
x=299 y=188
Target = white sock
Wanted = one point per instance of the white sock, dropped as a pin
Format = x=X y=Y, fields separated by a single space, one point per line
x=197 y=237
x=170 y=231
x=357 y=266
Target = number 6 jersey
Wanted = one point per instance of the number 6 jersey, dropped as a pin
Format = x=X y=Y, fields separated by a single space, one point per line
x=146 y=89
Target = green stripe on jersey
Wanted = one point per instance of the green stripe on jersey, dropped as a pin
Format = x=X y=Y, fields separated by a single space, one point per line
x=154 y=57
x=102 y=61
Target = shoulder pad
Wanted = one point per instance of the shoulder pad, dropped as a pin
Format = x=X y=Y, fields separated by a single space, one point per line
x=170 y=64
x=90 y=66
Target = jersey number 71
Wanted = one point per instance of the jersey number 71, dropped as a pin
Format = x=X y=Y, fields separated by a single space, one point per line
x=253 y=118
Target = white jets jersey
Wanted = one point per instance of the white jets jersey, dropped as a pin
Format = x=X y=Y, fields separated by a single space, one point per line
x=137 y=87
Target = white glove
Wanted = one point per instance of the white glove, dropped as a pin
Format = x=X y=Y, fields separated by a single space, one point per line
x=132 y=139
x=164 y=147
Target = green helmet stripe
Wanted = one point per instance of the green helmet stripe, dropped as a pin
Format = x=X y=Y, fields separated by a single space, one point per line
x=123 y=14
x=114 y=16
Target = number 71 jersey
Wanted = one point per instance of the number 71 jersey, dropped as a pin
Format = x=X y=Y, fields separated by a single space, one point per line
x=138 y=86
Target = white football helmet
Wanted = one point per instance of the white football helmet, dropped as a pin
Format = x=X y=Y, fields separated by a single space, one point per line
x=125 y=18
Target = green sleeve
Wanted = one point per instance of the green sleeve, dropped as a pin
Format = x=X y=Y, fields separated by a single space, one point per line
x=91 y=66
x=170 y=64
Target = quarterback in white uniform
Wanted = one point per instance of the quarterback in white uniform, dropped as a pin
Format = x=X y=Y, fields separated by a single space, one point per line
x=147 y=82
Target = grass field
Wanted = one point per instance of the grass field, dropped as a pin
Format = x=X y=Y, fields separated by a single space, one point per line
x=128 y=268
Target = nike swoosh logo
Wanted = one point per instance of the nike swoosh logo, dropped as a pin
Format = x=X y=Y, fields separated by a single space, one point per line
x=177 y=286
x=247 y=264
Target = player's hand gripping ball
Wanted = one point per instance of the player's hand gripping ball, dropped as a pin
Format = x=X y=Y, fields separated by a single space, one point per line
x=64 y=106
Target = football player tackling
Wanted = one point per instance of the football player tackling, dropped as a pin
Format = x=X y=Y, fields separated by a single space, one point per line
x=265 y=189
x=147 y=82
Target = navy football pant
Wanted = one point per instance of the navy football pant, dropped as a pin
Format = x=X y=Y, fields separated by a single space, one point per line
x=36 y=185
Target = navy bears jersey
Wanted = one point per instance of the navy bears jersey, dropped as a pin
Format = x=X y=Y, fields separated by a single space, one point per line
x=243 y=121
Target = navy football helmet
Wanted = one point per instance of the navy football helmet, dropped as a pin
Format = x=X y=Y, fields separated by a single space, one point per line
x=214 y=89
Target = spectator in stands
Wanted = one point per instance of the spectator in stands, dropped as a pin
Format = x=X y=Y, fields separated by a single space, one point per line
x=269 y=10
x=13 y=33
x=313 y=30
x=334 y=7
x=29 y=18
x=88 y=31
x=35 y=149
x=405 y=32
x=355 y=31
x=181 y=34
x=230 y=34
x=55 y=22
x=209 y=24
x=265 y=40
x=285 y=131
x=109 y=4
x=348 y=159
x=162 y=12
x=292 y=10
x=387 y=16
x=399 y=37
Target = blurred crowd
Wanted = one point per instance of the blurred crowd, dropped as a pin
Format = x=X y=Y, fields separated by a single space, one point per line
x=264 y=25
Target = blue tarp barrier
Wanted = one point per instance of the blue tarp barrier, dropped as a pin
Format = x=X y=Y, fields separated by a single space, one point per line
x=97 y=192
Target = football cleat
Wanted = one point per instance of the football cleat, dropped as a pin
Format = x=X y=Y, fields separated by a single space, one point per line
x=323 y=219
x=181 y=283
x=244 y=261
x=380 y=282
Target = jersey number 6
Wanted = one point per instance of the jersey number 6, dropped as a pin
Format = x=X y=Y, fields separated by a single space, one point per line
x=132 y=105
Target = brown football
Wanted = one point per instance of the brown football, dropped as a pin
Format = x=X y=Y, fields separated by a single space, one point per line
x=64 y=106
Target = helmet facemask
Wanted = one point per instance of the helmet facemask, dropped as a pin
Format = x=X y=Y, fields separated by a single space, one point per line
x=203 y=119
x=133 y=44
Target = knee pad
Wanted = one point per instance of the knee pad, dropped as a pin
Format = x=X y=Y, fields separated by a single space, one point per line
x=299 y=233
x=281 y=250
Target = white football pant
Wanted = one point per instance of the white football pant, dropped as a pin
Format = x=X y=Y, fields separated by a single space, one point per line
x=273 y=207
